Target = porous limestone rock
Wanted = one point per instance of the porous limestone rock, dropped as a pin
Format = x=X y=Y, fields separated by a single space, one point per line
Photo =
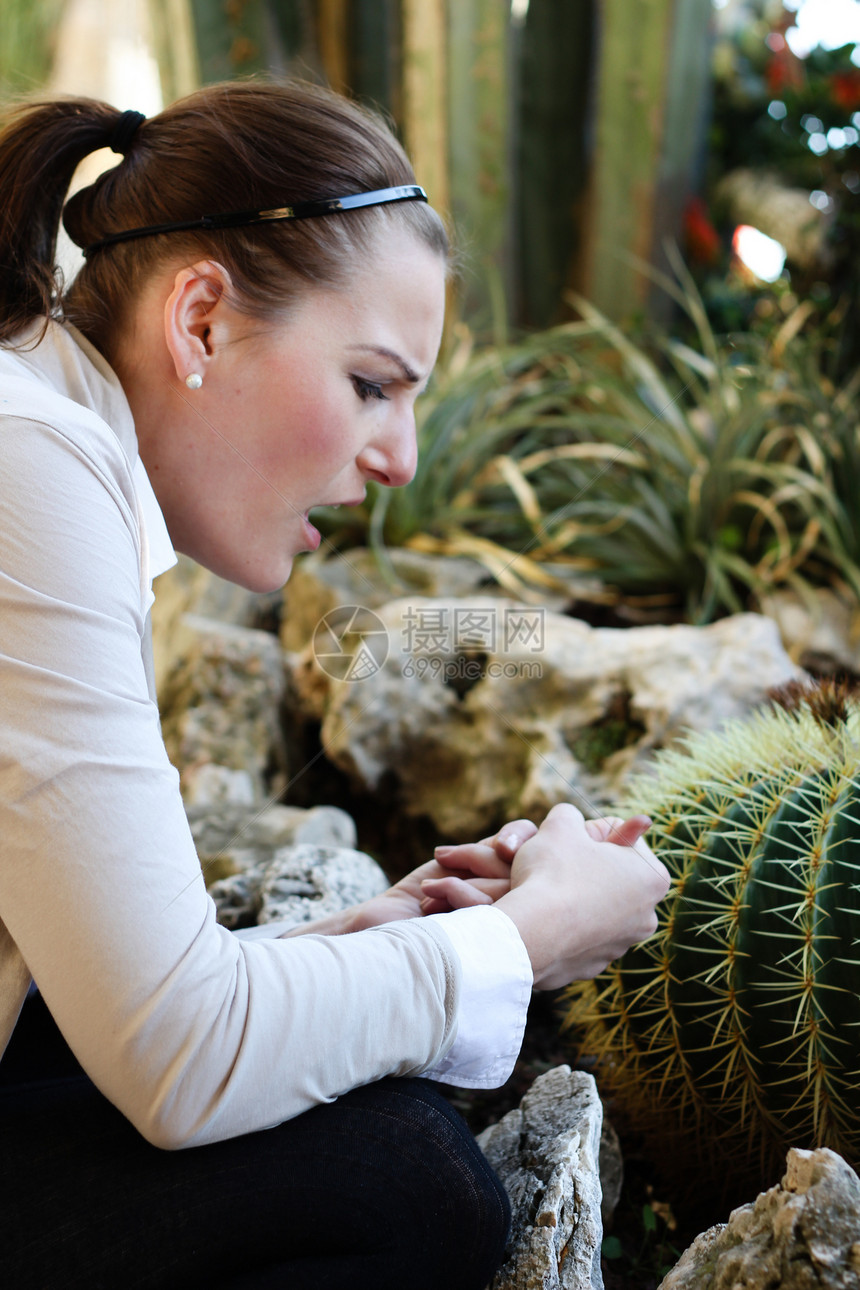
x=177 y=593
x=546 y=1154
x=211 y=786
x=307 y=882
x=221 y=707
x=281 y=862
x=485 y=709
x=297 y=885
x=820 y=629
x=322 y=582
x=233 y=839
x=611 y=1171
x=803 y=1234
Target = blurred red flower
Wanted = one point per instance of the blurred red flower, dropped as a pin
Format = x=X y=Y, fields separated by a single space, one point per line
x=784 y=71
x=845 y=89
x=702 y=241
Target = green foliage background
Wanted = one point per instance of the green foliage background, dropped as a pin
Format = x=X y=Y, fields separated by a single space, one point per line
x=29 y=31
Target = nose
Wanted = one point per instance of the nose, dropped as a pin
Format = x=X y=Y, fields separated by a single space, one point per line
x=391 y=457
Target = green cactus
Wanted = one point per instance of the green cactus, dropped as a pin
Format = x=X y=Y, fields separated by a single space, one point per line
x=735 y=1029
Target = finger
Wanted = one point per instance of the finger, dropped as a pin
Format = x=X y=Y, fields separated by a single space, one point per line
x=432 y=905
x=511 y=836
x=477 y=858
x=443 y=895
x=461 y=893
x=612 y=828
x=626 y=833
x=601 y=828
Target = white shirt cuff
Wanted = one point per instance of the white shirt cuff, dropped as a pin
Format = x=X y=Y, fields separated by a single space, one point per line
x=495 y=992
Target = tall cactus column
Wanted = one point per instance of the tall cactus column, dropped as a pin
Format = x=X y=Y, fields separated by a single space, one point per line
x=425 y=94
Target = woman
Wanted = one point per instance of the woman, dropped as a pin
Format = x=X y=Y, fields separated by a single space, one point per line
x=260 y=306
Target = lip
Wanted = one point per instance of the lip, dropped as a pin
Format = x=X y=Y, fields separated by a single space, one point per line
x=313 y=537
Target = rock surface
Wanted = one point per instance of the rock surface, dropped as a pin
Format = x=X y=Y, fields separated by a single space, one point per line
x=611 y=1171
x=821 y=630
x=320 y=583
x=530 y=709
x=221 y=707
x=281 y=862
x=305 y=882
x=546 y=1154
x=297 y=885
x=232 y=837
x=802 y=1234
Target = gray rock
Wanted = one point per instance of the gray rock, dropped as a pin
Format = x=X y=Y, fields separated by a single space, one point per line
x=281 y=862
x=803 y=1234
x=216 y=829
x=611 y=1171
x=229 y=603
x=546 y=1154
x=220 y=706
x=189 y=589
x=822 y=628
x=209 y=786
x=306 y=882
x=475 y=730
x=322 y=582
x=298 y=884
x=234 y=839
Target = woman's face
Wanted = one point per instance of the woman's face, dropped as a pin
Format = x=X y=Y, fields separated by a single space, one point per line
x=297 y=414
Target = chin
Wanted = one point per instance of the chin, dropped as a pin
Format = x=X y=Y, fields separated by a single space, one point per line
x=263 y=580
x=262 y=577
x=261 y=571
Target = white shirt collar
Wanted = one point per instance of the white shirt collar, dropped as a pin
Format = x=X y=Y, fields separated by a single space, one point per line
x=67 y=361
x=158 y=552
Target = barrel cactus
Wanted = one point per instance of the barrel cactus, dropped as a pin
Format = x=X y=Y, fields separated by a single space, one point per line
x=735 y=1029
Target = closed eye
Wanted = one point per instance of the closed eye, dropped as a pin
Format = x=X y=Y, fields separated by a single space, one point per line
x=368 y=389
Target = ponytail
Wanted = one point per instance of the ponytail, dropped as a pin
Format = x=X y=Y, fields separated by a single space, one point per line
x=41 y=145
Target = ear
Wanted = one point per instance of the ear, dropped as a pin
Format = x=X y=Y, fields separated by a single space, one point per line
x=195 y=314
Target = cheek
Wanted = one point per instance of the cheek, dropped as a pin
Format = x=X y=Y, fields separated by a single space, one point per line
x=315 y=436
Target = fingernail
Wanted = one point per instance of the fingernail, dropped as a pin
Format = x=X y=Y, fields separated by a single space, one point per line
x=512 y=840
x=443 y=851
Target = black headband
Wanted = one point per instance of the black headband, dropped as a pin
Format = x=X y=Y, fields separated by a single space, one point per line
x=124 y=131
x=304 y=210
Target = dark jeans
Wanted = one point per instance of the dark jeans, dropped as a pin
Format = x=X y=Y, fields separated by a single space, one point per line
x=385 y=1188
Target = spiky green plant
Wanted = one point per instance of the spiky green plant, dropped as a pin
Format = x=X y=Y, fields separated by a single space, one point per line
x=696 y=477
x=734 y=1031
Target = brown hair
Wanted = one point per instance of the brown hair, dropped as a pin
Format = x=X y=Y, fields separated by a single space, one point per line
x=236 y=146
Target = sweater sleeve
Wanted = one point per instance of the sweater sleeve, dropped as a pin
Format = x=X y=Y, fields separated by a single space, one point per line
x=193 y=1033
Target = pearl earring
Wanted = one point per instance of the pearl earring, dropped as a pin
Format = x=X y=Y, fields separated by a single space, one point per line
x=194 y=380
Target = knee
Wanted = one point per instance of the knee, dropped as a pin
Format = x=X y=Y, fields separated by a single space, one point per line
x=476 y=1223
x=448 y=1195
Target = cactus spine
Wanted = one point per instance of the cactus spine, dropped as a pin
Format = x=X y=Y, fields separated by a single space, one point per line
x=740 y=1017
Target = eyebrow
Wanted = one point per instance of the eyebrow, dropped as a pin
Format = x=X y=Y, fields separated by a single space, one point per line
x=412 y=377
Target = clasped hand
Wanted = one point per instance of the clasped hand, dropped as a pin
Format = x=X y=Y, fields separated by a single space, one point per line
x=580 y=891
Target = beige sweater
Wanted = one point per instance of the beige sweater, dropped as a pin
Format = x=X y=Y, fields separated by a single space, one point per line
x=193 y=1033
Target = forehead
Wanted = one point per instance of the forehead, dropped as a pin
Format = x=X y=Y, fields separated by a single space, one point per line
x=394 y=296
